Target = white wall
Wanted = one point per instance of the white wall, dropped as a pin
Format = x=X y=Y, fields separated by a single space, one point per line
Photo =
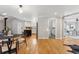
x=34 y=20
x=59 y=28
x=43 y=28
x=17 y=26
x=1 y=25
x=14 y=24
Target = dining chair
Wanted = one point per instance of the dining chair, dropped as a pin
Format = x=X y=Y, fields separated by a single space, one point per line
x=8 y=47
x=21 y=40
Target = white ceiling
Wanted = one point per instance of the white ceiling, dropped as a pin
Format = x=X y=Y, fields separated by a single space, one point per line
x=30 y=11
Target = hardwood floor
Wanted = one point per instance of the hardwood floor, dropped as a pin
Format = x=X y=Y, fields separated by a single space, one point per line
x=51 y=46
x=42 y=46
x=45 y=46
x=30 y=47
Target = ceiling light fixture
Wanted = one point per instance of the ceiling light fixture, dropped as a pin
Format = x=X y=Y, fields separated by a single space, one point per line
x=4 y=14
x=55 y=13
x=20 y=9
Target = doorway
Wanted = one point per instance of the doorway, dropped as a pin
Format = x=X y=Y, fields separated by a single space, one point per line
x=52 y=28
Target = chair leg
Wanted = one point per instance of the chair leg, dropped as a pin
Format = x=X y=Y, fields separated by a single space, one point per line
x=17 y=44
x=25 y=40
x=0 y=46
x=0 y=49
x=16 y=48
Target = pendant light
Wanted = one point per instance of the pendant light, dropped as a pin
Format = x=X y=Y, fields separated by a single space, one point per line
x=20 y=9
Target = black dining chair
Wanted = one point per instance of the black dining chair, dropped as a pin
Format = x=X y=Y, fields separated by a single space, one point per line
x=8 y=47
